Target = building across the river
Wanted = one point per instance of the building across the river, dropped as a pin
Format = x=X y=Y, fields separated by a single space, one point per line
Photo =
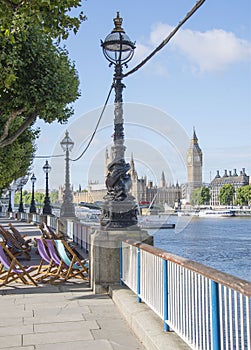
x=232 y=178
x=145 y=191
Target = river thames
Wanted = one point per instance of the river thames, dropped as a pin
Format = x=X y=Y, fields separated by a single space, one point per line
x=221 y=243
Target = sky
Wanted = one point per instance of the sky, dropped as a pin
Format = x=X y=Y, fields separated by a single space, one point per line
x=201 y=79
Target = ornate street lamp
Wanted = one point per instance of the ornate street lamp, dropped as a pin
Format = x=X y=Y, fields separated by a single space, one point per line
x=119 y=209
x=47 y=204
x=33 y=205
x=22 y=182
x=67 y=209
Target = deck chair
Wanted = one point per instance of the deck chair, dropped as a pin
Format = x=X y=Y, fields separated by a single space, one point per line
x=48 y=232
x=76 y=267
x=14 y=246
x=20 y=237
x=12 y=270
x=52 y=269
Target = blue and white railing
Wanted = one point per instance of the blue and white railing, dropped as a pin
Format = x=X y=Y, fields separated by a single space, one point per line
x=208 y=309
x=81 y=234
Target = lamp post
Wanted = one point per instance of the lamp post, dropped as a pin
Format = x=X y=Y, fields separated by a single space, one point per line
x=22 y=182
x=33 y=205
x=67 y=209
x=10 y=205
x=47 y=203
x=119 y=209
x=21 y=205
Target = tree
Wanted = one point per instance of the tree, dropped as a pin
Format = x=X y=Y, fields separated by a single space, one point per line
x=226 y=194
x=54 y=17
x=200 y=196
x=205 y=195
x=16 y=158
x=243 y=195
x=196 y=197
x=44 y=85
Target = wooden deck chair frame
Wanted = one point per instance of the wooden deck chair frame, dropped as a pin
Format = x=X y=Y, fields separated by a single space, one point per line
x=20 y=237
x=11 y=243
x=76 y=268
x=52 y=269
x=48 y=232
x=62 y=267
x=15 y=271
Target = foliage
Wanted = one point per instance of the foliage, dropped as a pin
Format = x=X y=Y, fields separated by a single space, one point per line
x=54 y=16
x=16 y=158
x=200 y=196
x=38 y=196
x=226 y=194
x=44 y=84
x=243 y=195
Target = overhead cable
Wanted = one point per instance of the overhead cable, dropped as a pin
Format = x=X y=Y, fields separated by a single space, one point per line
x=95 y=130
x=167 y=39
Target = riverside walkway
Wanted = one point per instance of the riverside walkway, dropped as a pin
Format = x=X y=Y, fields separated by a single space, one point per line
x=71 y=316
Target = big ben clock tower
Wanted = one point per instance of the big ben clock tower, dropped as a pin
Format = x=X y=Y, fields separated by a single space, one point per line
x=194 y=165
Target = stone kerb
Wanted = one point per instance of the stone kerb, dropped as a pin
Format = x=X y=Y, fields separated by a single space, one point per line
x=105 y=256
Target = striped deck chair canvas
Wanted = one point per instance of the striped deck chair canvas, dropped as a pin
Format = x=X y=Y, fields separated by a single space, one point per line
x=12 y=270
x=76 y=268
x=47 y=267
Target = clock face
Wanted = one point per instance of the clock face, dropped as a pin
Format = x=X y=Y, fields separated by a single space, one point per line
x=189 y=159
x=197 y=158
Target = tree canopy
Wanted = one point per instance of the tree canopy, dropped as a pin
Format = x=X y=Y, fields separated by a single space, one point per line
x=16 y=158
x=53 y=16
x=44 y=84
x=243 y=195
x=37 y=79
x=226 y=194
x=200 y=196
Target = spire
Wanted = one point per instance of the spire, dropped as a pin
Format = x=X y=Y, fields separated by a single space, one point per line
x=132 y=171
x=163 y=180
x=195 y=138
x=132 y=163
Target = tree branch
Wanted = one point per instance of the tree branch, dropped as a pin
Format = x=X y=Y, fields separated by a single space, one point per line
x=7 y=141
x=7 y=124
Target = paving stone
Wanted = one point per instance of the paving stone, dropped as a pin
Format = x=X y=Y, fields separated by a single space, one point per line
x=15 y=329
x=101 y=344
x=120 y=338
x=56 y=337
x=65 y=326
x=10 y=321
x=49 y=318
x=57 y=305
x=20 y=348
x=7 y=341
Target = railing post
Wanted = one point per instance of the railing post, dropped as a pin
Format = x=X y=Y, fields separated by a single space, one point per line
x=165 y=295
x=215 y=315
x=121 y=264
x=138 y=275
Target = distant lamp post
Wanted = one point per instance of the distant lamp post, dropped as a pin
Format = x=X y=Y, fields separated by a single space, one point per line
x=119 y=209
x=10 y=205
x=22 y=182
x=33 y=205
x=67 y=209
x=47 y=204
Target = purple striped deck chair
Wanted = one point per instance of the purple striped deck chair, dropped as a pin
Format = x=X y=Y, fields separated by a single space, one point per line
x=53 y=267
x=62 y=268
x=12 y=270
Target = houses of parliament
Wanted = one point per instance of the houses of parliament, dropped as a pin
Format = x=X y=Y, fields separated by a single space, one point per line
x=166 y=194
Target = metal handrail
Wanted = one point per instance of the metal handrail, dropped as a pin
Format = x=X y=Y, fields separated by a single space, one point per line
x=208 y=309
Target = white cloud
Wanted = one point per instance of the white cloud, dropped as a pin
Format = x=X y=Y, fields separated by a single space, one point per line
x=212 y=50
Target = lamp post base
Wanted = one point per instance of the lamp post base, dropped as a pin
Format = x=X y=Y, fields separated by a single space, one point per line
x=119 y=214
